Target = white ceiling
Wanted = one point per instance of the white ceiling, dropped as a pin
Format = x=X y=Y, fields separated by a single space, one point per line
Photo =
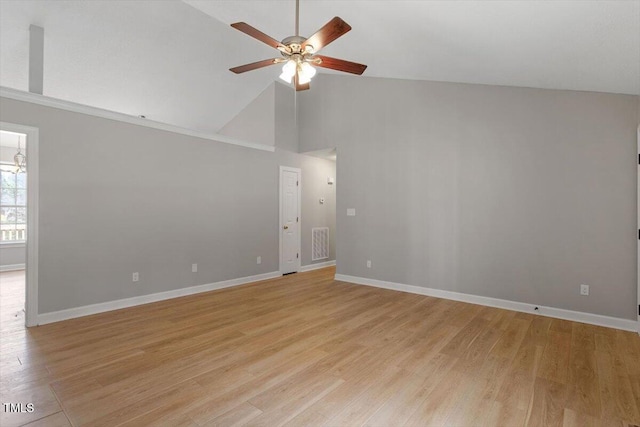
x=169 y=61
x=579 y=45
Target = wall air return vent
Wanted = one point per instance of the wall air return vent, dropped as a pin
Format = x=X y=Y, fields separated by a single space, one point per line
x=319 y=243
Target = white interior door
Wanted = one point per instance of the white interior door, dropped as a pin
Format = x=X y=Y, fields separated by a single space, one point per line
x=289 y=219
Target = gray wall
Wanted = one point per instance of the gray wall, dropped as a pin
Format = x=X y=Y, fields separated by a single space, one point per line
x=12 y=255
x=278 y=104
x=512 y=193
x=256 y=122
x=129 y=203
x=286 y=119
x=269 y=119
x=315 y=172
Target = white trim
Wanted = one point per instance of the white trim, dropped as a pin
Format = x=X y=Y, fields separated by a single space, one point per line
x=12 y=267
x=317 y=266
x=576 y=316
x=33 y=173
x=87 y=310
x=61 y=104
x=299 y=223
x=638 y=213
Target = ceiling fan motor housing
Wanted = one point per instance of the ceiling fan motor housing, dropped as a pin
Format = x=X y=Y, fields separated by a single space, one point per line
x=294 y=43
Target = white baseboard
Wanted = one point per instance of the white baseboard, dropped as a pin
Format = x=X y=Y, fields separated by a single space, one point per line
x=576 y=316
x=317 y=266
x=87 y=310
x=11 y=267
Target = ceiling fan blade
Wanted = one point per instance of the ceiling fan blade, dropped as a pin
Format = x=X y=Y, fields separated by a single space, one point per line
x=253 y=66
x=325 y=35
x=300 y=86
x=258 y=35
x=339 y=64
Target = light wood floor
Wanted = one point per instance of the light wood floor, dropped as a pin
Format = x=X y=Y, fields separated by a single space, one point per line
x=305 y=350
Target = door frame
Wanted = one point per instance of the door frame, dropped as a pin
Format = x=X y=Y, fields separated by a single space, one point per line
x=280 y=219
x=638 y=213
x=31 y=267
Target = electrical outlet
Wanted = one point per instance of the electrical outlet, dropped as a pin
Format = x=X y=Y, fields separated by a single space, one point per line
x=194 y=268
x=135 y=277
x=584 y=289
x=259 y=260
x=368 y=263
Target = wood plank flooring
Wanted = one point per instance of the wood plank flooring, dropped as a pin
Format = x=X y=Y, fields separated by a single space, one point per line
x=305 y=350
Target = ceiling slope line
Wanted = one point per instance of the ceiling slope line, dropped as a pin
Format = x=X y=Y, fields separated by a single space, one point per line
x=19 y=95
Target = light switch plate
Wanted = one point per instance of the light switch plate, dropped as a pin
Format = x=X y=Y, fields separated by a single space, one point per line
x=351 y=212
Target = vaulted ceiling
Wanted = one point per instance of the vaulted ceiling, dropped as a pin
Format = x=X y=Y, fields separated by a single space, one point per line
x=169 y=60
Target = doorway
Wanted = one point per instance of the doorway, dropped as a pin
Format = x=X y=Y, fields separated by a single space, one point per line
x=18 y=223
x=290 y=220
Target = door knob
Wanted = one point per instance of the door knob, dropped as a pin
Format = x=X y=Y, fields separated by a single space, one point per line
x=286 y=227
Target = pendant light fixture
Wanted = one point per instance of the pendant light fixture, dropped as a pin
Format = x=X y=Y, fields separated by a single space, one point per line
x=20 y=160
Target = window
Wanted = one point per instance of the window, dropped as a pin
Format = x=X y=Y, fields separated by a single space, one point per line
x=13 y=205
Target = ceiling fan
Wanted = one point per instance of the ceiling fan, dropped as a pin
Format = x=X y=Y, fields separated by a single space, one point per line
x=299 y=54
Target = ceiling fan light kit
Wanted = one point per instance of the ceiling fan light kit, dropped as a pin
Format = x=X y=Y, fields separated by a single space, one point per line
x=299 y=54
